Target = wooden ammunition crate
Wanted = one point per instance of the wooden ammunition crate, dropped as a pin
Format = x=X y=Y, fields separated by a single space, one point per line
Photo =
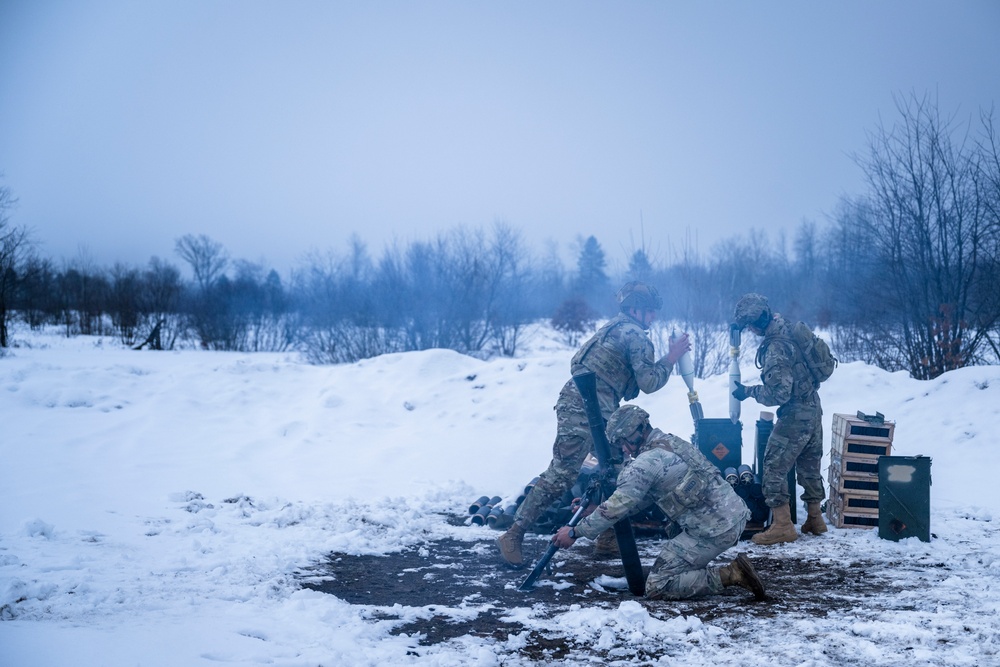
x=861 y=467
x=856 y=503
x=842 y=518
x=850 y=508
x=853 y=501
x=856 y=436
x=855 y=447
x=861 y=487
x=865 y=448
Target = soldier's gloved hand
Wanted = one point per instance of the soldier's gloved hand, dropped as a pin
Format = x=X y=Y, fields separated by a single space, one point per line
x=740 y=393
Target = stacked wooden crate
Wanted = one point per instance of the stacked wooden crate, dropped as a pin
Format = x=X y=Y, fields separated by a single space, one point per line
x=855 y=447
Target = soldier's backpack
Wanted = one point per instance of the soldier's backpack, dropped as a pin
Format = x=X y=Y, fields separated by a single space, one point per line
x=816 y=355
x=815 y=352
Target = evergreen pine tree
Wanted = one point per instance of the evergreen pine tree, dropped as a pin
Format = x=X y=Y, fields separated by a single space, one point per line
x=592 y=283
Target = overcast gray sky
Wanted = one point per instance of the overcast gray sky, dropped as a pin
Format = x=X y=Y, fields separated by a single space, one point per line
x=281 y=127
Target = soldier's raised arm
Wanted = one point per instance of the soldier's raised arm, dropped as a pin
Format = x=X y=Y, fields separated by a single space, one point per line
x=651 y=375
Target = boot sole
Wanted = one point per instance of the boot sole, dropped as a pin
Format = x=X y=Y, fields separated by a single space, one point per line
x=752 y=580
x=767 y=540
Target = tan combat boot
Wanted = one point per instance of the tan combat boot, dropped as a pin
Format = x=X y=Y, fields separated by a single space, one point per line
x=814 y=522
x=510 y=545
x=781 y=529
x=741 y=573
x=606 y=544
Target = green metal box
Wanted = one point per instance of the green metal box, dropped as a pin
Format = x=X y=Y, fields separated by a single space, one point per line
x=904 y=497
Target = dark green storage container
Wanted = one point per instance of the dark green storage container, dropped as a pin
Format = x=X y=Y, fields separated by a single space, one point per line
x=904 y=497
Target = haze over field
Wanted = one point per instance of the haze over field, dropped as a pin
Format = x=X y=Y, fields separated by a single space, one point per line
x=277 y=129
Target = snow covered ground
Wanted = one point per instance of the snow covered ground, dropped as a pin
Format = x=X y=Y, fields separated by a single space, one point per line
x=157 y=508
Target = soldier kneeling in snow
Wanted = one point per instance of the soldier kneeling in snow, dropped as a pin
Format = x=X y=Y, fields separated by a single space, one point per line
x=672 y=473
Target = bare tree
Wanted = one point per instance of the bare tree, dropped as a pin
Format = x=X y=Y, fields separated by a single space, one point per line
x=257 y=309
x=207 y=258
x=507 y=308
x=348 y=309
x=83 y=292
x=37 y=299
x=208 y=308
x=463 y=265
x=804 y=272
x=160 y=303
x=928 y=217
x=15 y=247
x=987 y=288
x=124 y=301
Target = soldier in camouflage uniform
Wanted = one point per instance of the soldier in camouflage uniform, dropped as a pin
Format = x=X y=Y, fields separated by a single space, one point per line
x=621 y=356
x=797 y=438
x=691 y=492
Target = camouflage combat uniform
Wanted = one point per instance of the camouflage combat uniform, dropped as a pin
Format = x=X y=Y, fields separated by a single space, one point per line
x=797 y=438
x=689 y=490
x=621 y=356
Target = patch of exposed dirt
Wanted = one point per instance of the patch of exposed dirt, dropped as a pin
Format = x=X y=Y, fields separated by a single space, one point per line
x=448 y=572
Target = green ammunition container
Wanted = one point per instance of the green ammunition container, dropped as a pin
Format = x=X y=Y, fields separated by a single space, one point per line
x=904 y=497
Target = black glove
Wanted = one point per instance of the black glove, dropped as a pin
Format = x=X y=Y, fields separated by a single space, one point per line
x=740 y=393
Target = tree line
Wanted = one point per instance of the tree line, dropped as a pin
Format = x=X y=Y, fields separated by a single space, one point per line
x=903 y=275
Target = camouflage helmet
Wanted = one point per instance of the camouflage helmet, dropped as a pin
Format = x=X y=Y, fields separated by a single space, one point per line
x=625 y=421
x=752 y=308
x=637 y=294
